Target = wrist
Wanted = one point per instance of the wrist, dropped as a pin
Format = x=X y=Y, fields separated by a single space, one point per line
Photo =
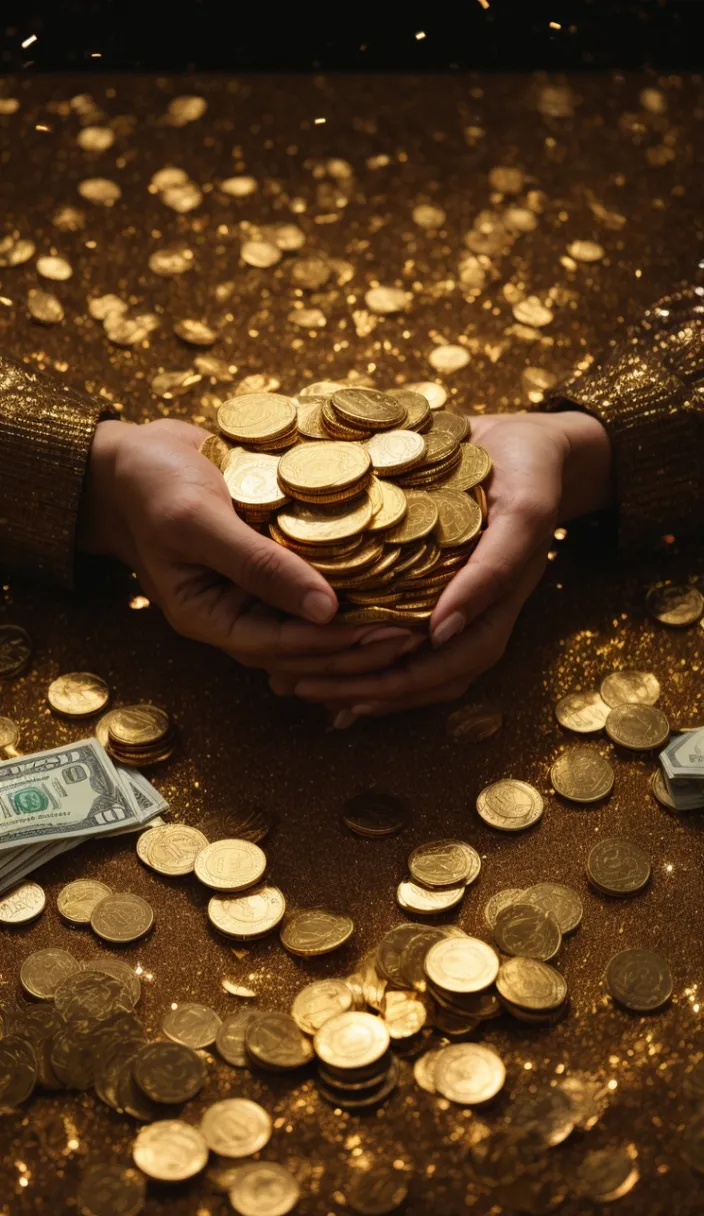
x=588 y=482
x=101 y=526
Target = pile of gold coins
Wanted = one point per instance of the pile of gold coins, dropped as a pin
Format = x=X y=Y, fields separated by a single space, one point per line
x=137 y=735
x=377 y=490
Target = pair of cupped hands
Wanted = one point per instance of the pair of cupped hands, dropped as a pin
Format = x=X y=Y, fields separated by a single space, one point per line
x=154 y=502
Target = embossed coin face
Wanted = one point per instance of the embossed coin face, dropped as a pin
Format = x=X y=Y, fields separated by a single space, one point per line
x=253 y=481
x=510 y=805
x=377 y=1191
x=630 y=688
x=582 y=712
x=195 y=1026
x=236 y=1127
x=618 y=867
x=111 y=1190
x=639 y=979
x=171 y=848
x=469 y=1073
x=78 y=694
x=122 y=917
x=230 y=1038
x=676 y=606
x=473 y=468
x=230 y=865
x=413 y=898
x=420 y=518
x=313 y=931
x=22 y=904
x=9 y=734
x=43 y=971
x=461 y=964
x=352 y=1040
x=424 y=1070
x=88 y=994
x=394 y=452
x=582 y=775
x=459 y=517
x=324 y=466
x=274 y=1041
x=367 y=407
x=526 y=930
x=390 y=951
x=502 y=899
x=168 y=1072
x=318 y=1002
x=250 y=915
x=405 y=1015
x=256 y=417
x=139 y=725
x=444 y=863
x=15 y=651
x=106 y=965
x=531 y=984
x=77 y=899
x=638 y=727
x=375 y=814
x=170 y=1151
x=564 y=903
x=263 y=1188
x=18 y=1070
x=324 y=525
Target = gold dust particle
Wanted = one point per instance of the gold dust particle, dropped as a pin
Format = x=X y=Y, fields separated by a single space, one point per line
x=95 y=139
x=532 y=311
x=101 y=307
x=9 y=105
x=426 y=216
x=174 y=384
x=385 y=299
x=259 y=382
x=169 y=262
x=585 y=251
x=182 y=198
x=535 y=382
x=308 y=318
x=448 y=358
x=239 y=187
x=69 y=219
x=99 y=190
x=506 y=180
x=520 y=219
x=197 y=333
x=261 y=254
x=16 y=250
x=44 y=307
x=183 y=110
x=165 y=178
x=139 y=601
x=54 y=268
x=653 y=101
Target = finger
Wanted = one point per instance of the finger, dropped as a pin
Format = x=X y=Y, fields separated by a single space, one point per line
x=354 y=661
x=379 y=709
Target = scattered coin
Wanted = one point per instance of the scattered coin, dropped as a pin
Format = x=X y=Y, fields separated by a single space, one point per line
x=376 y=1191
x=676 y=606
x=375 y=814
x=469 y=1073
x=352 y=1040
x=274 y=1041
x=444 y=863
x=531 y=984
x=236 y=1127
x=15 y=651
x=18 y=1070
x=510 y=805
x=230 y=865
x=250 y=915
x=122 y=917
x=630 y=688
x=171 y=848
x=263 y=1189
x=230 y=1039
x=424 y=1070
x=475 y=723
x=313 y=931
x=413 y=898
x=639 y=979
x=638 y=727
x=502 y=899
x=9 y=734
x=583 y=712
x=170 y=1151
x=581 y=774
x=526 y=930
x=89 y=994
x=22 y=904
x=461 y=964
x=78 y=694
x=606 y=1174
x=169 y=1072
x=618 y=867
x=111 y=1190
x=43 y=971
x=77 y=899
x=562 y=902
x=192 y=1025
x=318 y=1002
x=119 y=970
x=45 y=307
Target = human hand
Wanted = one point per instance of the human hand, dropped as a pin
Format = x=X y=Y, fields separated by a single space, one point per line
x=547 y=468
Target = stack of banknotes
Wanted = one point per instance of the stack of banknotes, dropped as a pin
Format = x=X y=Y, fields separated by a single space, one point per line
x=683 y=770
x=55 y=800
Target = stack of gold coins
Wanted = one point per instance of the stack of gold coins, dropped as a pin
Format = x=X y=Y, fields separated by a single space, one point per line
x=459 y=971
x=379 y=491
x=355 y=1065
x=139 y=735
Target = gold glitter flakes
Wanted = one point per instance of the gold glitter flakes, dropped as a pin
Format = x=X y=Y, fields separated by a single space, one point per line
x=435 y=394
x=165 y=179
x=218 y=369
x=44 y=307
x=182 y=198
x=129 y=331
x=99 y=190
x=310 y=272
x=386 y=299
x=100 y=307
x=8 y=105
x=586 y=251
x=14 y=250
x=56 y=268
x=259 y=382
x=288 y=237
x=427 y=216
x=261 y=254
x=536 y=382
x=520 y=219
x=183 y=110
x=69 y=219
x=449 y=358
x=239 y=187
x=95 y=139
x=506 y=179
x=196 y=333
x=171 y=262
x=308 y=318
x=174 y=384
x=532 y=311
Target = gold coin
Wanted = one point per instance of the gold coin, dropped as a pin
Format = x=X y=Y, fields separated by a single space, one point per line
x=194 y=1026
x=582 y=775
x=434 y=393
x=660 y=791
x=630 y=688
x=375 y=813
x=310 y=418
x=318 y=1002
x=324 y=468
x=170 y=1151
x=418 y=412
x=618 y=867
x=405 y=1015
x=122 y=917
x=169 y=1072
x=367 y=554
x=111 y=1190
x=195 y=332
x=413 y=898
x=368 y=408
x=475 y=723
x=170 y=848
x=424 y=1070
x=502 y=899
x=252 y=481
x=77 y=899
x=313 y=931
x=456 y=425
x=444 y=863
x=606 y=1174
x=251 y=915
x=352 y=1041
x=459 y=518
x=524 y=929
x=676 y=606
x=274 y=1041
x=510 y=805
x=236 y=1127
x=385 y=299
x=23 y=903
x=9 y=733
x=562 y=902
x=420 y=519
x=43 y=971
x=531 y=984
x=325 y=524
x=583 y=712
x=461 y=965
x=230 y=1038
x=638 y=727
x=230 y=865
x=394 y=452
x=118 y=970
x=336 y=428
x=18 y=1070
x=390 y=951
x=45 y=307
x=78 y=694
x=474 y=467
x=257 y=417
x=15 y=651
x=91 y=994
x=639 y=979
x=376 y=1191
x=263 y=1188
x=392 y=507
x=244 y=823
x=469 y=1073
x=138 y=725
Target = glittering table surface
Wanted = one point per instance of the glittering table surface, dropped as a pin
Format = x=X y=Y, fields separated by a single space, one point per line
x=347 y=159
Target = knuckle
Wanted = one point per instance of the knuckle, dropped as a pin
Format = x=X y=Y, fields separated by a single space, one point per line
x=179 y=513
x=260 y=564
x=538 y=512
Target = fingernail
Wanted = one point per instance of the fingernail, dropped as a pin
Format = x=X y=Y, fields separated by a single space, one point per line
x=318 y=607
x=384 y=635
x=454 y=624
x=344 y=719
x=369 y=707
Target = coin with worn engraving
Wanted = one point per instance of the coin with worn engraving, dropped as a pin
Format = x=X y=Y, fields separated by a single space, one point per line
x=475 y=723
x=230 y=1039
x=169 y=1072
x=111 y=1190
x=461 y=964
x=390 y=950
x=510 y=805
x=137 y=726
x=469 y=1073
x=618 y=867
x=170 y=1150
x=581 y=774
x=368 y=408
x=352 y=1040
x=15 y=651
x=22 y=904
x=323 y=468
x=677 y=606
x=502 y=899
x=563 y=902
x=318 y=1002
x=251 y=823
x=606 y=1174
x=413 y=898
x=527 y=930
x=236 y=1127
x=639 y=979
x=193 y=1025
x=77 y=899
x=9 y=734
x=531 y=984
x=78 y=694
x=444 y=863
x=376 y=1191
x=545 y=1116
x=391 y=508
x=404 y=1013
x=88 y=994
x=638 y=727
x=420 y=518
x=312 y=931
x=122 y=917
x=375 y=814
x=18 y=1070
x=43 y=971
x=424 y=1070
x=263 y=1188
x=250 y=915
x=230 y=865
x=582 y=712
x=119 y=970
x=275 y=1041
x=170 y=848
x=629 y=687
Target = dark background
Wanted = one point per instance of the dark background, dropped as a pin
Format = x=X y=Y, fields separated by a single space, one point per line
x=222 y=35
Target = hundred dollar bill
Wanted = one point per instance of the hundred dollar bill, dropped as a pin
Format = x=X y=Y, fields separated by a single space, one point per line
x=36 y=855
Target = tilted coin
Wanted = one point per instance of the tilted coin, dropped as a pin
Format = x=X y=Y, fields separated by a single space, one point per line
x=469 y=1073
x=444 y=863
x=582 y=712
x=393 y=506
x=253 y=482
x=263 y=1188
x=510 y=805
x=529 y=931
x=275 y=1041
x=502 y=899
x=677 y=606
x=111 y=1190
x=375 y=814
x=405 y=1015
x=77 y=899
x=169 y=1072
x=78 y=694
x=456 y=425
x=390 y=950
x=434 y=393
x=239 y=823
x=194 y=331
x=215 y=450
x=630 y=688
x=531 y=984
x=171 y=848
x=413 y=898
x=461 y=964
x=53 y=267
x=122 y=917
x=323 y=468
x=475 y=723
x=546 y=1116
x=236 y=1127
x=581 y=774
x=606 y=1174
x=395 y=452
x=90 y=994
x=256 y=912
x=170 y=1151
x=45 y=307
x=639 y=979
x=376 y=1191
x=325 y=525
x=43 y=971
x=424 y=1070
x=230 y=1039
x=318 y=1002
x=367 y=407
x=18 y=1070
x=15 y=651
x=618 y=867
x=193 y=1025
x=139 y=725
x=230 y=865
x=638 y=727
x=119 y=970
x=22 y=904
x=561 y=901
x=352 y=1040
x=459 y=517
x=9 y=733
x=313 y=931
x=473 y=468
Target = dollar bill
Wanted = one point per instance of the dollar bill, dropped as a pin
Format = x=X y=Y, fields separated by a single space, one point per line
x=683 y=758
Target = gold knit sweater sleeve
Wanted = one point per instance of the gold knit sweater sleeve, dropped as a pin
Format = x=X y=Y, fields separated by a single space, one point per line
x=649 y=394
x=46 y=430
